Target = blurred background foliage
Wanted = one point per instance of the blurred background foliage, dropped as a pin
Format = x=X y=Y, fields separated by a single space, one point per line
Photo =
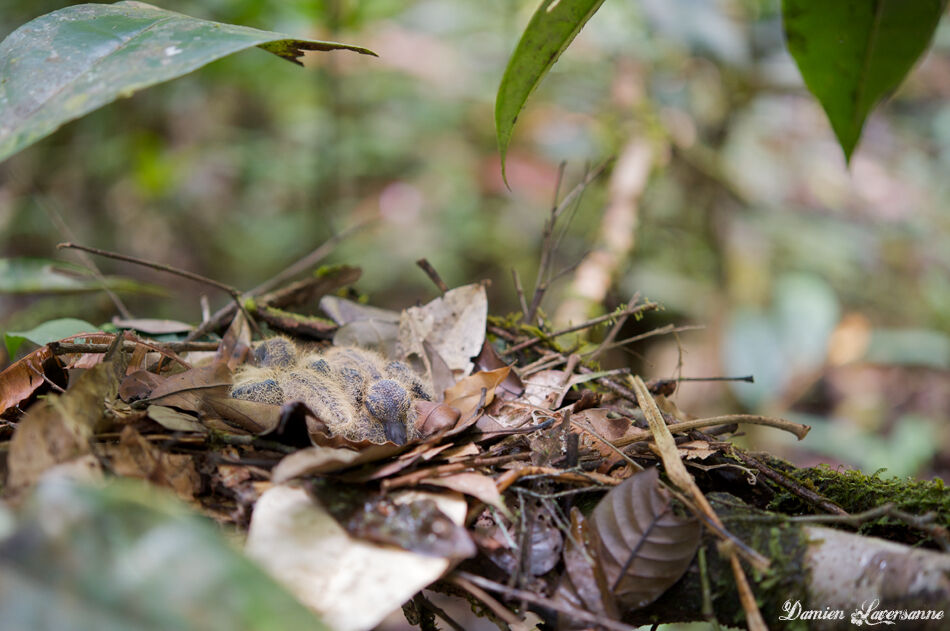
x=830 y=285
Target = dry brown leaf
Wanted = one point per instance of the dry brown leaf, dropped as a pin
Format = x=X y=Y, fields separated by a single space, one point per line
x=453 y=324
x=59 y=428
x=697 y=450
x=23 y=378
x=434 y=417
x=512 y=387
x=352 y=584
x=543 y=389
x=477 y=485
x=583 y=584
x=173 y=420
x=642 y=545
x=135 y=457
x=138 y=385
x=318 y=459
x=466 y=395
x=236 y=343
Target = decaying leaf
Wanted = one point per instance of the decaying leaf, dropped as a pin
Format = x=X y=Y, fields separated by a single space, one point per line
x=23 y=379
x=477 y=485
x=59 y=428
x=134 y=457
x=435 y=417
x=488 y=359
x=321 y=459
x=353 y=584
x=476 y=390
x=544 y=388
x=642 y=545
x=453 y=324
x=153 y=326
x=584 y=584
x=173 y=420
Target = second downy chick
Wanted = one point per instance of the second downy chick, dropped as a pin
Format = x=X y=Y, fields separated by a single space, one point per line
x=356 y=392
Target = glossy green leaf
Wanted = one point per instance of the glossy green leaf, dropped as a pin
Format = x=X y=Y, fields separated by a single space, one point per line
x=68 y=63
x=46 y=333
x=43 y=276
x=128 y=558
x=552 y=28
x=853 y=53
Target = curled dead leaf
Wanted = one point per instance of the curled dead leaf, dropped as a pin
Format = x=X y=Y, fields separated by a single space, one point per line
x=474 y=391
x=488 y=359
x=433 y=418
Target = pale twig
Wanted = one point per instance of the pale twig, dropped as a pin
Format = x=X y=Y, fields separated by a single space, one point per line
x=678 y=475
x=663 y=330
x=799 y=430
x=520 y=290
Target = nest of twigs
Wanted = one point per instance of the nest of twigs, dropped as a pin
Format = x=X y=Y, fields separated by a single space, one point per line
x=532 y=482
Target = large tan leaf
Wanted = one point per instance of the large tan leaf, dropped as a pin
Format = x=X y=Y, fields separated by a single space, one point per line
x=642 y=545
x=353 y=584
x=454 y=325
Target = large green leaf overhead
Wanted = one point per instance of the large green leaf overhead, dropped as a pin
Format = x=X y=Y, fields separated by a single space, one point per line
x=852 y=53
x=68 y=63
x=552 y=28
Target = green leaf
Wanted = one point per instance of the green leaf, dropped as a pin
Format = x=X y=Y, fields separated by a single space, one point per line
x=551 y=30
x=128 y=558
x=852 y=53
x=70 y=62
x=46 y=333
x=43 y=276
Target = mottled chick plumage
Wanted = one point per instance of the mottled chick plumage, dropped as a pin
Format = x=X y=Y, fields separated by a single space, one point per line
x=356 y=392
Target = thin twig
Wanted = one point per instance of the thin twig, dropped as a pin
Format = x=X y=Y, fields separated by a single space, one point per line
x=496 y=607
x=309 y=260
x=630 y=310
x=152 y=264
x=432 y=274
x=222 y=315
x=571 y=612
x=548 y=244
x=234 y=293
x=663 y=330
x=614 y=330
x=50 y=207
x=806 y=494
x=520 y=291
x=66 y=348
x=799 y=430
